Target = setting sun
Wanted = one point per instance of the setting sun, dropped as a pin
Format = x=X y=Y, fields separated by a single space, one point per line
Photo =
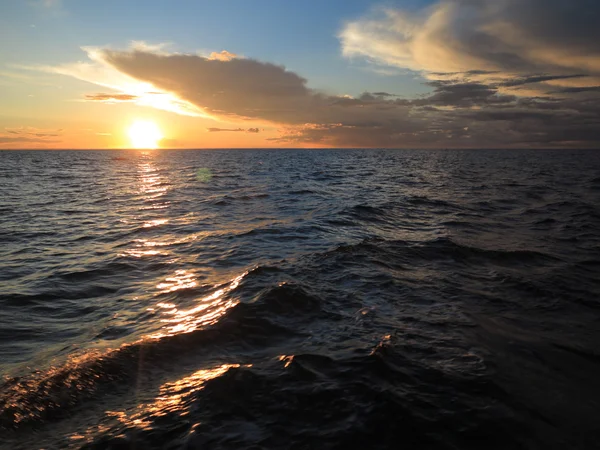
x=144 y=134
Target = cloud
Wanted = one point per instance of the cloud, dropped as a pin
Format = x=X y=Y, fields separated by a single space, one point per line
x=29 y=135
x=112 y=98
x=224 y=55
x=99 y=72
x=489 y=39
x=520 y=81
x=233 y=88
x=247 y=90
x=577 y=90
x=26 y=139
x=463 y=95
x=21 y=140
x=143 y=46
x=216 y=130
x=32 y=131
x=492 y=68
x=248 y=130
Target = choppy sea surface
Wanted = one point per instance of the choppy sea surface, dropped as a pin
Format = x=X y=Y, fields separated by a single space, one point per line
x=300 y=299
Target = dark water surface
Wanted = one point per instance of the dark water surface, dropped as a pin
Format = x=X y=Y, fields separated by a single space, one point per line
x=300 y=299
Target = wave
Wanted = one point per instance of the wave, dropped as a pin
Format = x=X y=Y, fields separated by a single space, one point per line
x=429 y=202
x=441 y=248
x=268 y=316
x=377 y=400
x=401 y=299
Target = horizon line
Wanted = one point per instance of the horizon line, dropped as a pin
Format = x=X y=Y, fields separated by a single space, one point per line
x=295 y=148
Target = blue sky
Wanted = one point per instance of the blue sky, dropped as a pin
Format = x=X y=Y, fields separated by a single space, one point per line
x=300 y=35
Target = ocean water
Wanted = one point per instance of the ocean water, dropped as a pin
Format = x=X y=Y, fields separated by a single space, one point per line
x=300 y=299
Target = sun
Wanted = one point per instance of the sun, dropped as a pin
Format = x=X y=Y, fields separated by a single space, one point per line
x=144 y=134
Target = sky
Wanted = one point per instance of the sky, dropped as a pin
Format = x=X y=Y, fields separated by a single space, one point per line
x=268 y=73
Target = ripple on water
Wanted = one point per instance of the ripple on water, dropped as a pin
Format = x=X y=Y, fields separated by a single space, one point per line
x=327 y=299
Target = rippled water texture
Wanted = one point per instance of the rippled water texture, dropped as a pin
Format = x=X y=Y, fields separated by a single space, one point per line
x=300 y=299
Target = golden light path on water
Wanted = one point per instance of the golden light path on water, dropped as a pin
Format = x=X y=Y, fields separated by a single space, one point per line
x=152 y=186
x=208 y=311
x=173 y=396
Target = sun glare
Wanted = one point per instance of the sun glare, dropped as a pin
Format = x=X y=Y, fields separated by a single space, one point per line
x=144 y=134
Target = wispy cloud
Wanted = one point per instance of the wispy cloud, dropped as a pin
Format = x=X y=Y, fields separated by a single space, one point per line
x=35 y=132
x=19 y=140
x=111 y=98
x=243 y=130
x=19 y=136
x=99 y=72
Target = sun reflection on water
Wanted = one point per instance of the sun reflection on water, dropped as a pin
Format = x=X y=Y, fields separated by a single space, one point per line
x=175 y=397
x=155 y=223
x=181 y=280
x=151 y=184
x=208 y=311
x=286 y=359
x=142 y=253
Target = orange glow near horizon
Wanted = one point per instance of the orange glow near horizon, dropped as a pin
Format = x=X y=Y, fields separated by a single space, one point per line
x=144 y=134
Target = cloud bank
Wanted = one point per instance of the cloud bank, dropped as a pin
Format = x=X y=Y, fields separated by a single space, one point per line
x=508 y=73
x=556 y=40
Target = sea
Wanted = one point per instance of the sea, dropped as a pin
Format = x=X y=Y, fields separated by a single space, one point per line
x=300 y=299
